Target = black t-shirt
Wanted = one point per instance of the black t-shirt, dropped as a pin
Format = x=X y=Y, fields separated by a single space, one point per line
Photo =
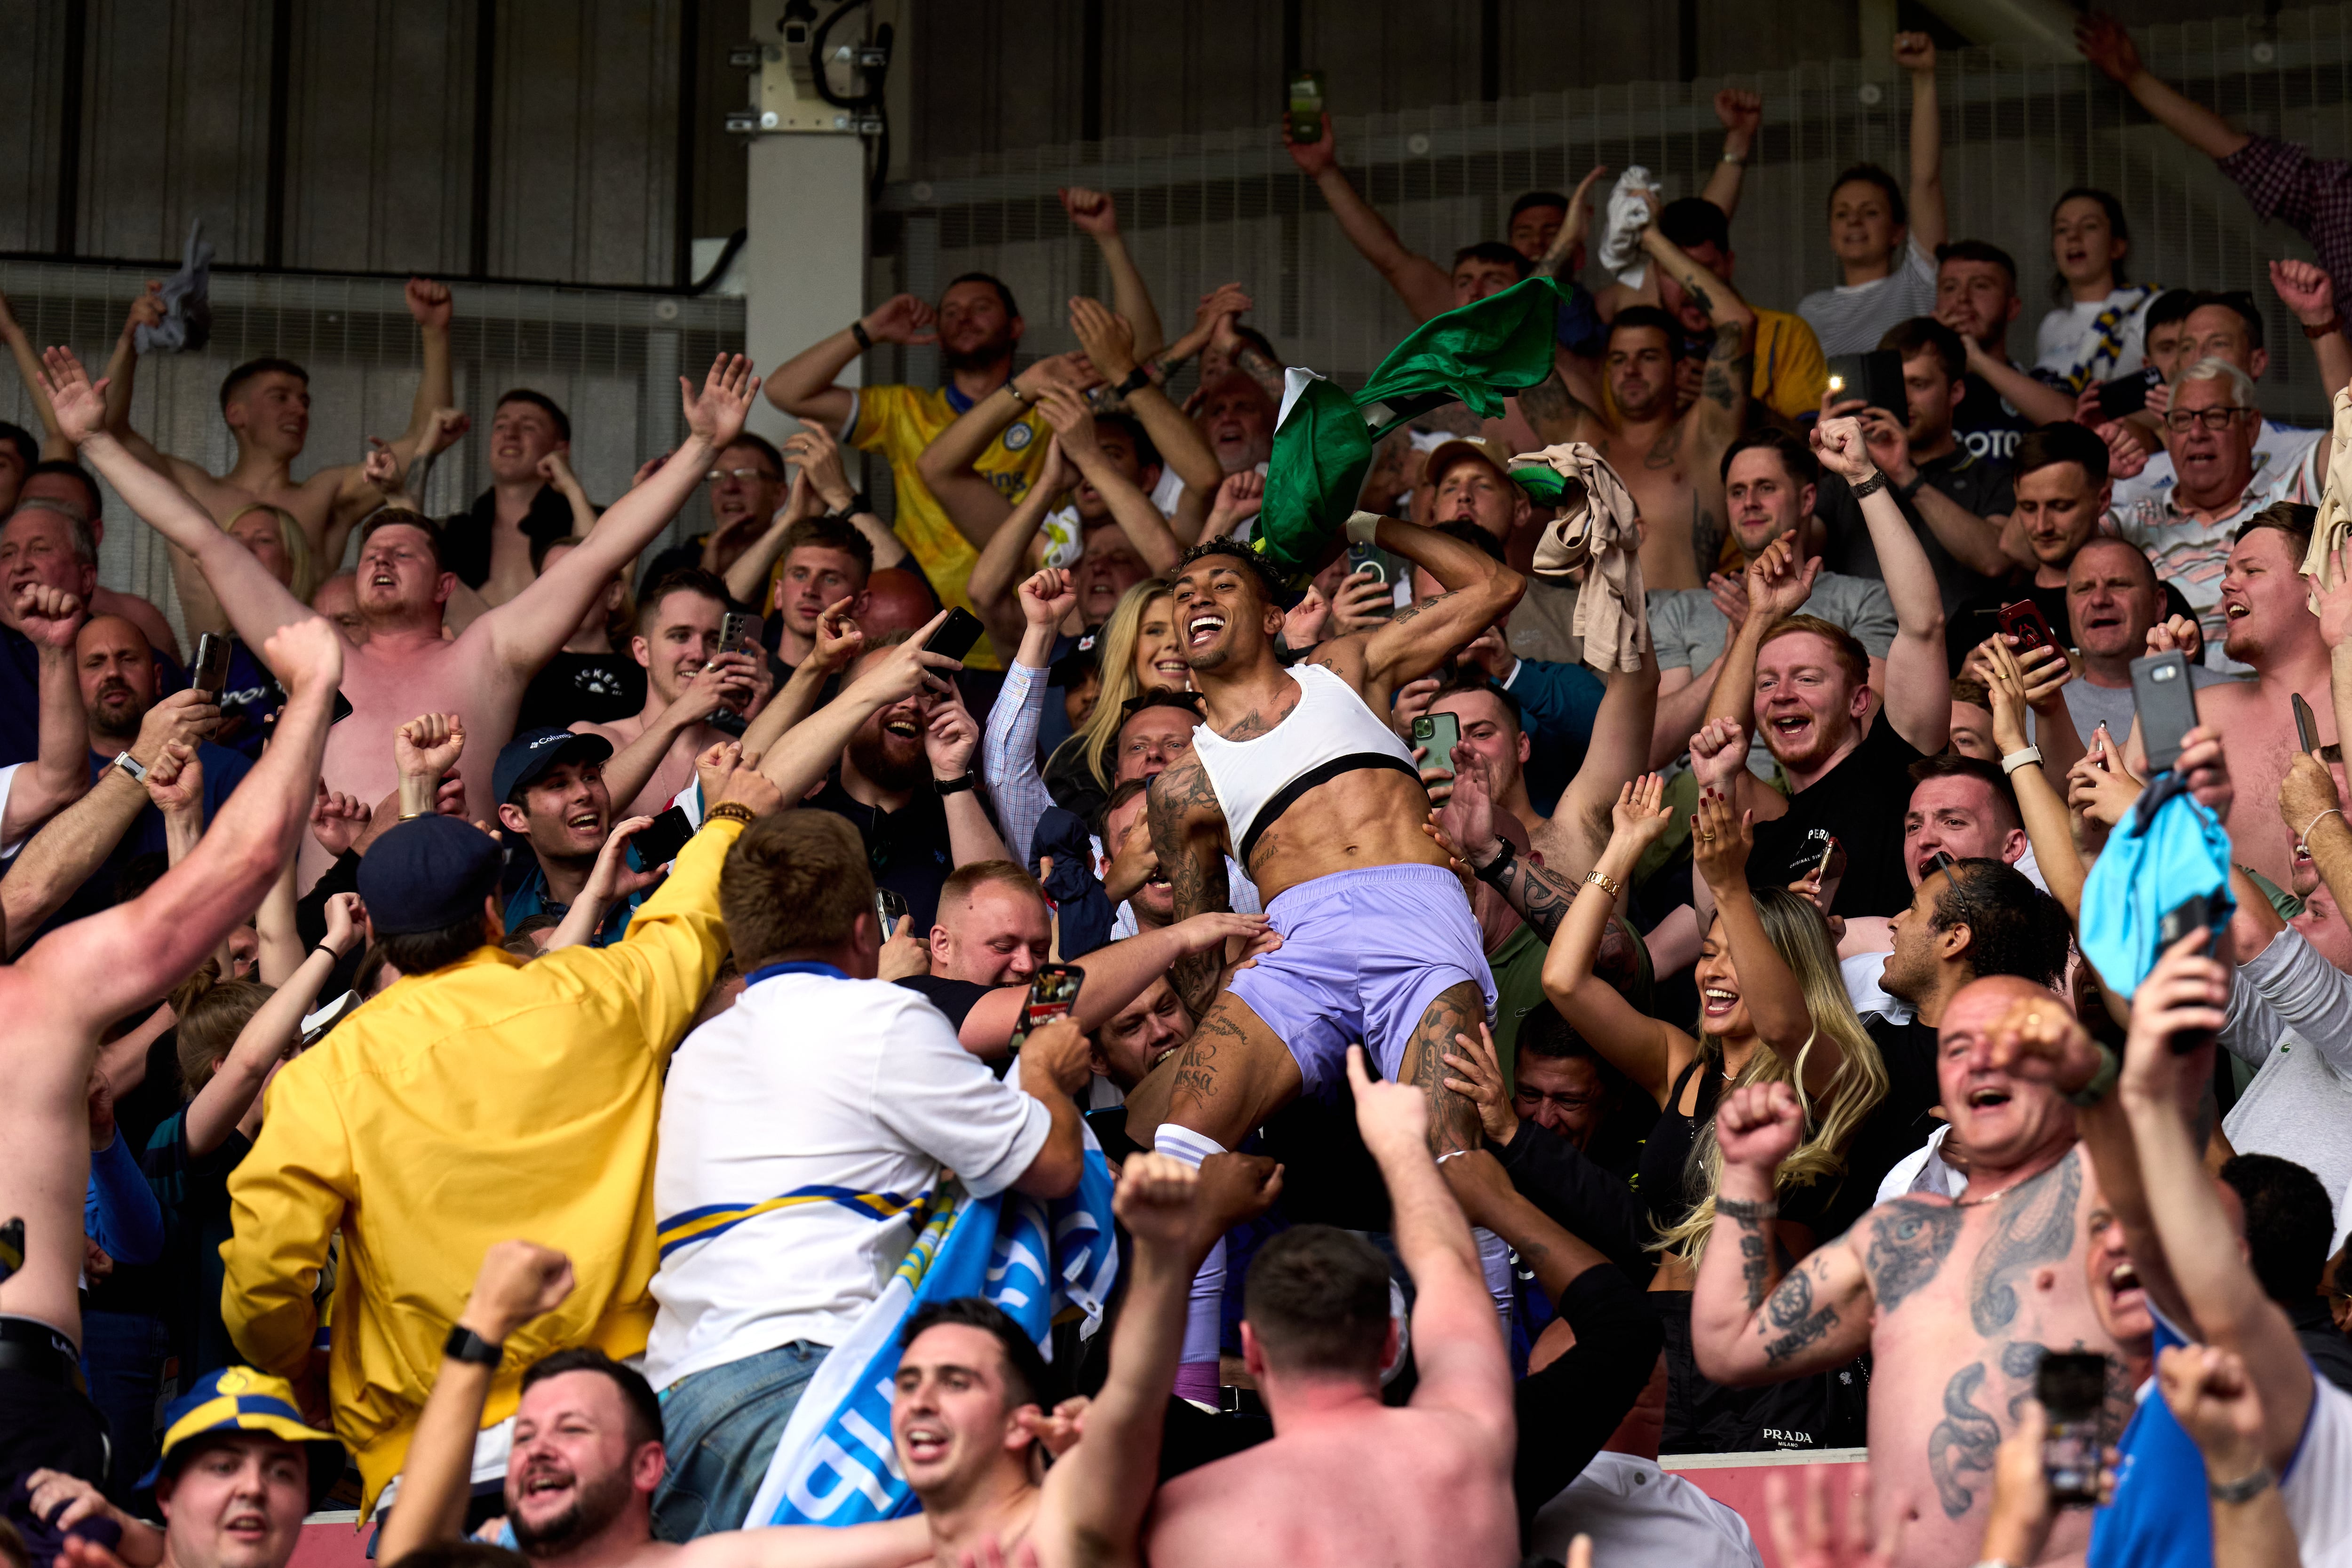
x=1896 y=1127
x=1978 y=615
x=908 y=851
x=466 y=536
x=583 y=688
x=1986 y=423
x=1977 y=485
x=956 y=999
x=1861 y=801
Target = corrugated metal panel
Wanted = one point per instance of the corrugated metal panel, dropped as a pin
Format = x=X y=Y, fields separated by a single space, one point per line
x=32 y=62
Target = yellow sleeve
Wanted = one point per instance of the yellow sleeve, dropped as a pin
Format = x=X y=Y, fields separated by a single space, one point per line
x=671 y=953
x=1795 y=374
x=286 y=1198
x=879 y=410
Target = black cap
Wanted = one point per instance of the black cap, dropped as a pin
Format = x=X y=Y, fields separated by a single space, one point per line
x=427 y=874
x=534 y=751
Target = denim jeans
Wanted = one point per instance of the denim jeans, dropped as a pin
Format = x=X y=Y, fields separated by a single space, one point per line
x=122 y=1355
x=721 y=1427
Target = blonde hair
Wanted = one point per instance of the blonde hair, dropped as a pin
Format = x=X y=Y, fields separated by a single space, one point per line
x=1116 y=661
x=301 y=580
x=1801 y=938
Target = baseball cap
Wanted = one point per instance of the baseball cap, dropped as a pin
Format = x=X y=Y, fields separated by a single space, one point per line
x=240 y=1400
x=1447 y=455
x=534 y=751
x=426 y=874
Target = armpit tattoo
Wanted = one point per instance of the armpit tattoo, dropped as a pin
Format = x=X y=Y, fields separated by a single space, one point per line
x=1790 y=1310
x=1908 y=1247
x=2036 y=1228
x=1962 y=1442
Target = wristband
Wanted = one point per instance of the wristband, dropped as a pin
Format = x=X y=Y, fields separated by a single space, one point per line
x=955 y=786
x=1137 y=380
x=464 y=1344
x=1736 y=160
x=729 y=812
x=2305 y=836
x=1492 y=873
x=1015 y=389
x=865 y=338
x=2245 y=1489
x=2326 y=329
x=1905 y=492
x=131 y=765
x=1361 y=527
x=2103 y=1082
x=857 y=503
x=2015 y=760
x=1738 y=1208
x=1870 y=486
x=332 y=957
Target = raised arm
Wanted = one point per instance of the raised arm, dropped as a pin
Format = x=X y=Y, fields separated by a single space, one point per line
x=1646 y=1050
x=1096 y=216
x=1748 y=1324
x=946 y=463
x=1130 y=508
x=2049 y=828
x=1420 y=282
x=1918 y=701
x=2110 y=48
x=1915 y=53
x=269 y=1035
x=60 y=775
x=1113 y=347
x=1742 y=115
x=518 y=1282
x=2186 y=992
x=2307 y=292
x=1780 y=580
x=950 y=735
x=1005 y=559
x=1455 y=1342
x=1008 y=752
x=1477 y=592
x=747 y=580
x=525 y=632
x=804 y=385
x=1722 y=405
x=798 y=762
x=1721 y=838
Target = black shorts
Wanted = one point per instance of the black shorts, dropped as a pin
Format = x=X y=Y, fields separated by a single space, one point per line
x=47 y=1422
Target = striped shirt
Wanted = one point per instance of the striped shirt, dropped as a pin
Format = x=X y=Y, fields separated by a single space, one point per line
x=2191 y=554
x=1853 y=317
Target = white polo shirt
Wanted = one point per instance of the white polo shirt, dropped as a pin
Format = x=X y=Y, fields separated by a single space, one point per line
x=798 y=1128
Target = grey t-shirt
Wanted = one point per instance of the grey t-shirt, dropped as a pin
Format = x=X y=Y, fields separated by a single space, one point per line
x=2093 y=705
x=1690 y=631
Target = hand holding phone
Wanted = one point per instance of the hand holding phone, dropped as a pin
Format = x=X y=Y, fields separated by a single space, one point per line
x=659 y=842
x=2073 y=1388
x=2025 y=624
x=2306 y=725
x=2167 y=705
x=1440 y=733
x=1053 y=994
x=956 y=634
x=209 y=673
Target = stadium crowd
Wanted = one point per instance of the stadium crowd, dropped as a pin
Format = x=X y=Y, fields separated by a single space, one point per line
x=1180 y=998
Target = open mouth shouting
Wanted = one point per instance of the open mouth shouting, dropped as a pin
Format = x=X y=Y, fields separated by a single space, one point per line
x=1202 y=627
x=1987 y=1097
x=1717 y=1002
x=924 y=1443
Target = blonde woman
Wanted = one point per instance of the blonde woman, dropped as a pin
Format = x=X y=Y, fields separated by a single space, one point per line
x=1138 y=653
x=1772 y=1007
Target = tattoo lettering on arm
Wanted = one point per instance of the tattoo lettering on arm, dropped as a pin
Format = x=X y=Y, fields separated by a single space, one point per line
x=1182 y=811
x=1755 y=1260
x=1791 y=1310
x=1907 y=1248
x=2036 y=1228
x=1195 y=1082
x=1963 y=1442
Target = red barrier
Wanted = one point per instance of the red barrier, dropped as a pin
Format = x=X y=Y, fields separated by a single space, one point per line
x=329 y=1541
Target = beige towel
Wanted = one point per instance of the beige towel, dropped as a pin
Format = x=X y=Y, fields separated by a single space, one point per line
x=2333 y=528
x=1597 y=535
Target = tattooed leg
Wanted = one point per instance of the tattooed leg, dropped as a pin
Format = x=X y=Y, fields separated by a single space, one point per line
x=1453 y=1118
x=1230 y=1076
x=1963 y=1442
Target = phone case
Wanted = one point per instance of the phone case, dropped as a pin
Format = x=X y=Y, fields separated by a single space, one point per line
x=2167 y=705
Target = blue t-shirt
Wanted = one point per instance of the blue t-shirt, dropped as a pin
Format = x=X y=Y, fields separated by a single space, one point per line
x=2160 y=1517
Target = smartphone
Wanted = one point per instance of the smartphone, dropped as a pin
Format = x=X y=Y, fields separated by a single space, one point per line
x=2167 y=705
x=1052 y=993
x=739 y=632
x=660 y=840
x=2306 y=727
x=2072 y=1387
x=2129 y=395
x=342 y=709
x=1440 y=732
x=2190 y=915
x=1385 y=568
x=1876 y=377
x=209 y=674
x=11 y=1247
x=889 y=909
x=1306 y=112
x=2025 y=621
x=956 y=634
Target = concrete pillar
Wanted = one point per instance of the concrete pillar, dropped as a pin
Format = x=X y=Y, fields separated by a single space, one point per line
x=804 y=260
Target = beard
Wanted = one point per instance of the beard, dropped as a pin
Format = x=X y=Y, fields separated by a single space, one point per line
x=977 y=358
x=594 y=1505
x=888 y=760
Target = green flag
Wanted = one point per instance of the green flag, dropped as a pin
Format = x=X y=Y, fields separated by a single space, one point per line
x=1478 y=356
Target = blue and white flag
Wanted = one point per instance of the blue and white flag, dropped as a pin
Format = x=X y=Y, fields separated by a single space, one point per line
x=1033 y=1259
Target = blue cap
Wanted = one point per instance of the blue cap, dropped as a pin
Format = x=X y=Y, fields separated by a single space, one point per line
x=239 y=1400
x=534 y=751
x=427 y=874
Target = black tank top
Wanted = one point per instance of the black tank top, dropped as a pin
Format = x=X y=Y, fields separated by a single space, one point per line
x=1659 y=1175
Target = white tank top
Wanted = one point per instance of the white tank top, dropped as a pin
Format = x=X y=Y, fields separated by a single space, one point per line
x=1331 y=732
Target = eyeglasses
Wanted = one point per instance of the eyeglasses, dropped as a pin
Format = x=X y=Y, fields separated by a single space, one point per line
x=741 y=475
x=2179 y=420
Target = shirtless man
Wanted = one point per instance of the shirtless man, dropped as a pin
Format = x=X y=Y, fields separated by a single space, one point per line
x=1955 y=1300
x=83 y=976
x=406 y=666
x=266 y=405
x=1346 y=1480
x=1671 y=460
x=968 y=1426
x=687 y=678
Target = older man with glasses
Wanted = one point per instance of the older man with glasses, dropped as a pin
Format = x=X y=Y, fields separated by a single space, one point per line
x=2210 y=432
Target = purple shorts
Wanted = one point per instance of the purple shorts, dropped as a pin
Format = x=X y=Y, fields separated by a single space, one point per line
x=1363 y=955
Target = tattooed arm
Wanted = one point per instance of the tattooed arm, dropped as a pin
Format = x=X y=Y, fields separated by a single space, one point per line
x=1187 y=834
x=1722 y=403
x=1555 y=412
x=1750 y=1325
x=1477 y=592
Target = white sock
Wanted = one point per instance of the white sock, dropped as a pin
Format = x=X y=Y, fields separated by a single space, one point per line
x=1196 y=1372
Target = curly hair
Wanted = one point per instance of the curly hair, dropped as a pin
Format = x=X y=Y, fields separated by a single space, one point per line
x=1269 y=582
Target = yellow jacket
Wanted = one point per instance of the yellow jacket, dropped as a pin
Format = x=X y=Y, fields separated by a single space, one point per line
x=489 y=1100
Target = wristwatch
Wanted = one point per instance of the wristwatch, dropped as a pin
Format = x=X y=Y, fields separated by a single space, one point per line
x=865 y=338
x=1870 y=486
x=464 y=1345
x=857 y=503
x=955 y=786
x=130 y=764
x=1494 y=871
x=1137 y=380
x=2326 y=329
x=2103 y=1082
x=1905 y=492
